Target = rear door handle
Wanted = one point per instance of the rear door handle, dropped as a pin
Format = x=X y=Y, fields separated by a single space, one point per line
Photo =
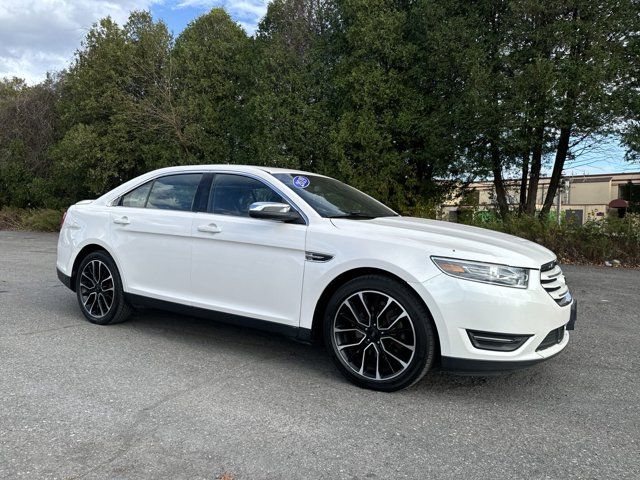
x=122 y=221
x=209 y=228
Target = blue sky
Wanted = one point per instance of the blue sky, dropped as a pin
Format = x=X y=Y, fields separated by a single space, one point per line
x=177 y=14
x=40 y=36
x=176 y=18
x=605 y=156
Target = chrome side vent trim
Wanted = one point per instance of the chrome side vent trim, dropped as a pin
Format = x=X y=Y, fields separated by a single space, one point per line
x=497 y=342
x=553 y=281
x=317 y=257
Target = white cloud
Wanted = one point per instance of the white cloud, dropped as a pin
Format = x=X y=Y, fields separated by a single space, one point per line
x=37 y=36
x=40 y=36
x=246 y=12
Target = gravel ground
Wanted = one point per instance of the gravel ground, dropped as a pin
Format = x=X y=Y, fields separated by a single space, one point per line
x=167 y=396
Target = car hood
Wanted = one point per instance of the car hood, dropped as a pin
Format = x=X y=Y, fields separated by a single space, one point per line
x=454 y=240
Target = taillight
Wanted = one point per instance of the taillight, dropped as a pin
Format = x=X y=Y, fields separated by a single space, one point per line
x=64 y=215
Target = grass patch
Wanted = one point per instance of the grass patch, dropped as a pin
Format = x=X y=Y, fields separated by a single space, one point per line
x=40 y=220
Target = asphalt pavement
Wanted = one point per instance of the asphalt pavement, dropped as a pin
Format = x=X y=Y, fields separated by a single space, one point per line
x=173 y=397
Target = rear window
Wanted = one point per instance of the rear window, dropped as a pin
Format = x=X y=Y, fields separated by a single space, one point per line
x=136 y=198
x=174 y=192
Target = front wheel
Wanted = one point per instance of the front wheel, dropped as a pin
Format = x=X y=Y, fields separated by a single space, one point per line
x=379 y=333
x=99 y=290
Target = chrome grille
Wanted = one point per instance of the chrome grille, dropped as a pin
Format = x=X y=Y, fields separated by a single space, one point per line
x=553 y=281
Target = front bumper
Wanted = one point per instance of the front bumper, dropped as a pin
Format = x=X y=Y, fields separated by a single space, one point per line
x=486 y=367
x=574 y=315
x=458 y=306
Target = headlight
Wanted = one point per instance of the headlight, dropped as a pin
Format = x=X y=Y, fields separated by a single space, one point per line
x=484 y=272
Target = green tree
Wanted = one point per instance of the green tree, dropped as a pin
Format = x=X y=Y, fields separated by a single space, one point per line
x=554 y=70
x=289 y=103
x=401 y=97
x=372 y=56
x=439 y=120
x=29 y=128
x=631 y=100
x=107 y=96
x=211 y=72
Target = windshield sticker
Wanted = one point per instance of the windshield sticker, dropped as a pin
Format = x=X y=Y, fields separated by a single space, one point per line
x=301 y=182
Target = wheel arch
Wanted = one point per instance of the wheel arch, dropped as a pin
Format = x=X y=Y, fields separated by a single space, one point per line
x=82 y=253
x=344 y=277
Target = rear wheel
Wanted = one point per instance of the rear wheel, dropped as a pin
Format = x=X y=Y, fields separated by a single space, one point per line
x=379 y=333
x=99 y=290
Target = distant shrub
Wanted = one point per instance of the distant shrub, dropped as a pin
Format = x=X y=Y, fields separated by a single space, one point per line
x=595 y=241
x=423 y=210
x=43 y=220
x=11 y=218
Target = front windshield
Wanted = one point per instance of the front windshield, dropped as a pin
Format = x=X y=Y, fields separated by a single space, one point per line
x=334 y=199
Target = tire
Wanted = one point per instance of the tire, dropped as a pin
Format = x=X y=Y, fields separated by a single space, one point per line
x=392 y=352
x=99 y=290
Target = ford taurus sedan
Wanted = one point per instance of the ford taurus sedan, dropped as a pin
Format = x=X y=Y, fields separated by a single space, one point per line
x=307 y=256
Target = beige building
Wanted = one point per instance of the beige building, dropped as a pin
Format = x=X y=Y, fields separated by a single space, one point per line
x=584 y=197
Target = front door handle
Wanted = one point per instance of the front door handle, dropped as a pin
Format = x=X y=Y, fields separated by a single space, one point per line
x=209 y=228
x=122 y=221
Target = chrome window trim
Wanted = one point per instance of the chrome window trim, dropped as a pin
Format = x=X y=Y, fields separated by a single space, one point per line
x=114 y=202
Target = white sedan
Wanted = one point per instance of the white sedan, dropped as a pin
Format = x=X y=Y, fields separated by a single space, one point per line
x=307 y=256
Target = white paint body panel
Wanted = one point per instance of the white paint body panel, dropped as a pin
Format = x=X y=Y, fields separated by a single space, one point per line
x=251 y=267
x=154 y=251
x=257 y=268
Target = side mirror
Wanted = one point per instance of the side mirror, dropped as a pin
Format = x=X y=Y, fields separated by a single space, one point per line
x=273 y=211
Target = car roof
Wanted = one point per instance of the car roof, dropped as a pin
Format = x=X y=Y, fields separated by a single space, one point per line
x=224 y=167
x=234 y=167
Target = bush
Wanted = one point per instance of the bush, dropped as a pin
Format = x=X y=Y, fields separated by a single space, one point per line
x=11 y=218
x=44 y=220
x=595 y=241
